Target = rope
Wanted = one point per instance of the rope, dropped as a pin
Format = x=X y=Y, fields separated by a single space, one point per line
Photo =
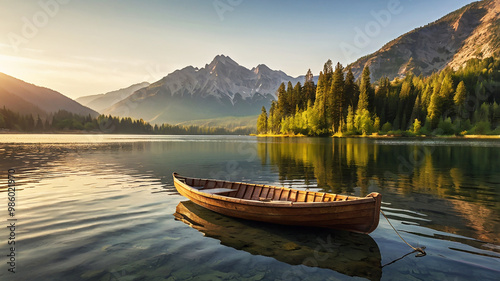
x=398 y=259
x=421 y=249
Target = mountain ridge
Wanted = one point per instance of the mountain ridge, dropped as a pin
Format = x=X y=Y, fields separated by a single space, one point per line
x=447 y=42
x=220 y=88
x=100 y=102
x=27 y=98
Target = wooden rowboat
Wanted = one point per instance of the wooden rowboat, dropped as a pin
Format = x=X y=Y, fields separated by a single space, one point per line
x=283 y=205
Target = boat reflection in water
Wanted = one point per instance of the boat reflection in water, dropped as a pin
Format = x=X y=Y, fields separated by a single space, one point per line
x=345 y=252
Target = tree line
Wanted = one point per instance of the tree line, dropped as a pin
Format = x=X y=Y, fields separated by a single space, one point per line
x=450 y=102
x=64 y=121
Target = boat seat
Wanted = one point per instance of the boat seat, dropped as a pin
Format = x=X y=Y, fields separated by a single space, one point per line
x=218 y=190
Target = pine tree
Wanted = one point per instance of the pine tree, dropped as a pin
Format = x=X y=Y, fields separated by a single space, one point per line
x=290 y=101
x=29 y=123
x=320 y=103
x=446 y=92
x=39 y=124
x=46 y=126
x=381 y=98
x=364 y=90
x=299 y=98
x=274 y=120
x=350 y=120
x=435 y=105
x=328 y=73
x=350 y=89
x=282 y=100
x=262 y=122
x=336 y=100
x=416 y=126
x=434 y=110
x=459 y=98
x=309 y=90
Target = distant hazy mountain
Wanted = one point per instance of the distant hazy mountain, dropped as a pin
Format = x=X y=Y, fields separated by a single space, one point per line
x=470 y=32
x=102 y=101
x=20 y=96
x=221 y=88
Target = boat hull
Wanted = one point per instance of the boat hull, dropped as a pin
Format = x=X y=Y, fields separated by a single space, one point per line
x=356 y=214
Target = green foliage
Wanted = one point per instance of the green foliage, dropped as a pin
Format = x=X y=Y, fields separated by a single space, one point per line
x=309 y=89
x=386 y=127
x=351 y=91
x=262 y=122
x=481 y=128
x=363 y=122
x=336 y=101
x=376 y=124
x=67 y=121
x=460 y=96
x=2 y=121
x=350 y=121
x=417 y=126
x=445 y=127
x=450 y=102
x=364 y=90
x=483 y=113
x=434 y=110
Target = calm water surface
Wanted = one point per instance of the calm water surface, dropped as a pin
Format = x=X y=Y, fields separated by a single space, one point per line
x=104 y=208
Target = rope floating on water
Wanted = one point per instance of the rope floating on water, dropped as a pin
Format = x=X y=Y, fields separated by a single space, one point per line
x=420 y=249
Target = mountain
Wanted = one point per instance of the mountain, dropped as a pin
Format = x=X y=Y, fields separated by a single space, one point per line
x=26 y=98
x=102 y=101
x=220 y=89
x=470 y=32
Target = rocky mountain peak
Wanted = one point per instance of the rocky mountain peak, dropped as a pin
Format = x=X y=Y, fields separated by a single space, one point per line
x=261 y=69
x=222 y=87
x=470 y=32
x=221 y=60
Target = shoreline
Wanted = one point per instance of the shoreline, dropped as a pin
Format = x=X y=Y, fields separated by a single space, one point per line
x=374 y=136
x=386 y=136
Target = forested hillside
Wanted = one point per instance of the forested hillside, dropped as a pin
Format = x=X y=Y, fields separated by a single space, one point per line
x=67 y=122
x=451 y=102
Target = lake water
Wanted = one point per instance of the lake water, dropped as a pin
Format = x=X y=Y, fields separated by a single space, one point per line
x=92 y=207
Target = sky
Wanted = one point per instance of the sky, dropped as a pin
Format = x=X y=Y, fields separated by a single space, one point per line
x=91 y=47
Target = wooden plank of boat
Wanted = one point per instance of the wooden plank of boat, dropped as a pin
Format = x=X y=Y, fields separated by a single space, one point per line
x=283 y=205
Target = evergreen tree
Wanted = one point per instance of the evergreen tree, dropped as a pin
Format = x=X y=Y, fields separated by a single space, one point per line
x=459 y=98
x=350 y=120
x=435 y=105
x=290 y=101
x=350 y=89
x=39 y=124
x=46 y=126
x=416 y=126
x=446 y=93
x=336 y=100
x=282 y=100
x=381 y=97
x=309 y=90
x=364 y=90
x=29 y=123
x=299 y=98
x=320 y=103
x=262 y=122
x=274 y=120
